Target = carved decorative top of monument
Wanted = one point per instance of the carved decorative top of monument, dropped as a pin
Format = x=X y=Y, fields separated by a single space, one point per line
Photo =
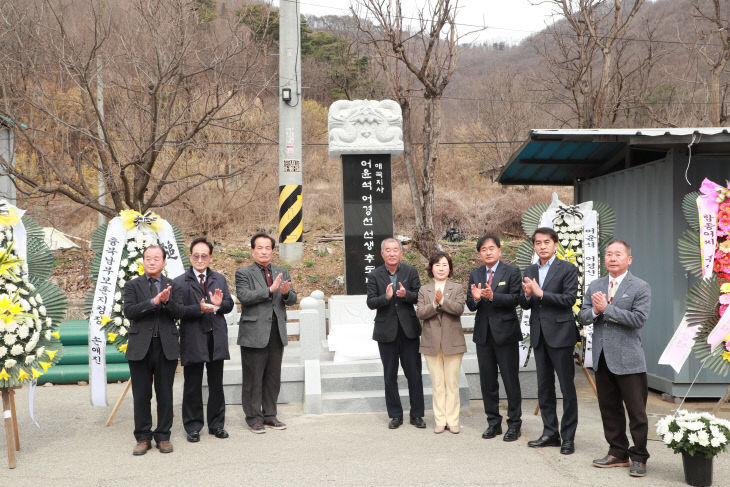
x=365 y=127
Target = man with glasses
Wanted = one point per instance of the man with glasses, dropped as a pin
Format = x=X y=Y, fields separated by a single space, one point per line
x=203 y=341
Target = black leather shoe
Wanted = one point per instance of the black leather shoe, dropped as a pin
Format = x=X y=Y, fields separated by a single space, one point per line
x=418 y=422
x=609 y=461
x=568 y=447
x=220 y=433
x=512 y=434
x=395 y=422
x=637 y=469
x=193 y=437
x=545 y=440
x=492 y=431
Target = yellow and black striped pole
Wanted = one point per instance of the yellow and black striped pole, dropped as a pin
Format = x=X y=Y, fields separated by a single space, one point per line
x=290 y=213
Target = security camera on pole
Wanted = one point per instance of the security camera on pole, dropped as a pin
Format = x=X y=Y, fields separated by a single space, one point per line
x=290 y=134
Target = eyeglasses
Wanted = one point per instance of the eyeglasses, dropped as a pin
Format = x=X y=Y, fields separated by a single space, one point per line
x=199 y=256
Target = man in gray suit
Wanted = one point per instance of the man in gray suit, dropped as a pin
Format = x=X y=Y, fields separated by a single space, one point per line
x=618 y=305
x=264 y=291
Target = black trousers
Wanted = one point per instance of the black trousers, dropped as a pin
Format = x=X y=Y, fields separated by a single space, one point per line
x=192 y=403
x=550 y=362
x=505 y=359
x=615 y=391
x=405 y=349
x=261 y=374
x=154 y=367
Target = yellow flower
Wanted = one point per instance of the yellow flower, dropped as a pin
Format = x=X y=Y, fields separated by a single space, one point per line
x=45 y=365
x=9 y=308
x=726 y=356
x=51 y=353
x=725 y=246
x=112 y=336
x=140 y=267
x=149 y=219
x=36 y=374
x=4 y=374
x=23 y=375
x=55 y=334
x=123 y=348
x=105 y=320
x=10 y=219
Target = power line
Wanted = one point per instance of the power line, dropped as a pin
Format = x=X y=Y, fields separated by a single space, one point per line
x=528 y=31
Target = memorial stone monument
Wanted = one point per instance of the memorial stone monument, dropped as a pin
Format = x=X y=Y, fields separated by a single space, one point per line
x=365 y=133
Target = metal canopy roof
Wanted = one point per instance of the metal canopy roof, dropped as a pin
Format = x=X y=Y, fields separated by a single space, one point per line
x=560 y=156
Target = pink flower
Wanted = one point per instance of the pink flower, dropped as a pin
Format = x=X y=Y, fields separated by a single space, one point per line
x=722 y=309
x=722 y=257
x=725 y=299
x=723 y=221
x=727 y=346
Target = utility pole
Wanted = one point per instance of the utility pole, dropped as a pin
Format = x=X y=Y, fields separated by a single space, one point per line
x=290 y=133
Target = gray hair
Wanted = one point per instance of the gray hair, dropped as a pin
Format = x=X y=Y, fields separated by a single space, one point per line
x=390 y=239
x=622 y=242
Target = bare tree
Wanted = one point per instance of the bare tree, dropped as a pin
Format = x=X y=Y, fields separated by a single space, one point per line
x=715 y=28
x=580 y=54
x=429 y=54
x=172 y=80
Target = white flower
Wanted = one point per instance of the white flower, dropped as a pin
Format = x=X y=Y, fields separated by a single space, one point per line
x=121 y=282
x=9 y=363
x=16 y=350
x=24 y=304
x=40 y=351
x=126 y=322
x=693 y=438
x=574 y=243
x=29 y=359
x=118 y=320
x=32 y=301
x=9 y=338
x=118 y=296
x=34 y=311
x=32 y=342
x=42 y=310
x=48 y=334
x=24 y=291
x=123 y=331
x=11 y=287
x=715 y=442
x=667 y=438
x=124 y=263
x=564 y=242
x=49 y=321
x=39 y=298
x=11 y=326
x=704 y=438
x=3 y=351
x=678 y=435
x=117 y=308
x=23 y=332
x=132 y=245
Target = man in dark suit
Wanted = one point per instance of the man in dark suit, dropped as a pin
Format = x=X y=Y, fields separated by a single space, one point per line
x=392 y=291
x=203 y=341
x=152 y=307
x=494 y=292
x=549 y=290
x=618 y=306
x=264 y=290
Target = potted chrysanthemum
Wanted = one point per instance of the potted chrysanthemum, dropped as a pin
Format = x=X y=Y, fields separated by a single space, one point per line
x=698 y=437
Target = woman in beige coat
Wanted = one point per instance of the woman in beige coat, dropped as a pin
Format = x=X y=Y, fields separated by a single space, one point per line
x=440 y=305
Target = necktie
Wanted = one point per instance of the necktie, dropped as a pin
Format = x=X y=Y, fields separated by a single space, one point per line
x=491 y=276
x=153 y=288
x=269 y=281
x=612 y=290
x=202 y=283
